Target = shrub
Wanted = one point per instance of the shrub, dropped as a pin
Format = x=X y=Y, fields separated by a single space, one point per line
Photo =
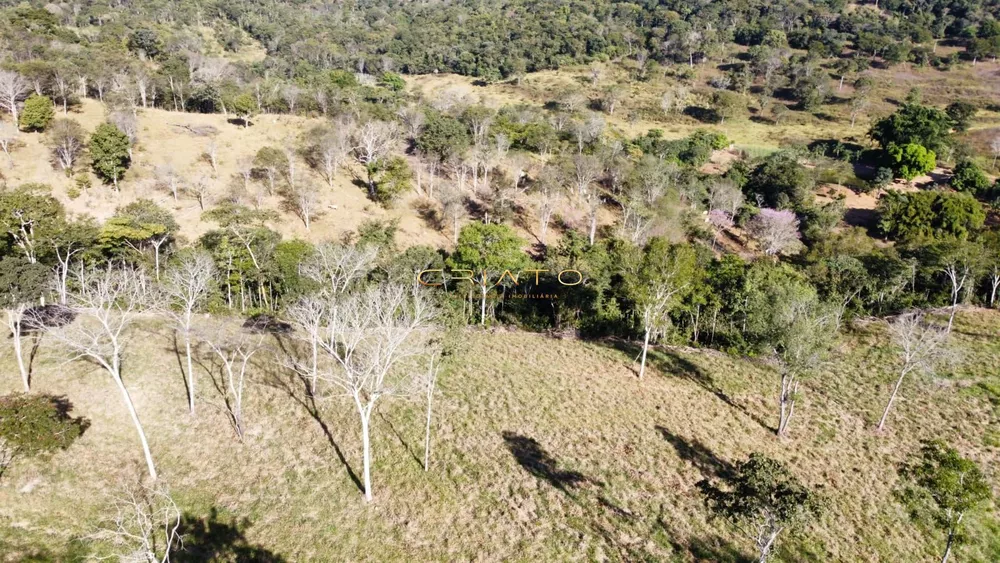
x=911 y=160
x=35 y=424
x=968 y=177
x=929 y=214
x=37 y=113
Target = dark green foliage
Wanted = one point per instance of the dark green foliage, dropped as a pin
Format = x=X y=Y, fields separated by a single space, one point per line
x=694 y=150
x=943 y=487
x=145 y=41
x=961 y=114
x=761 y=498
x=22 y=281
x=780 y=181
x=34 y=424
x=929 y=214
x=109 y=152
x=913 y=124
x=443 y=136
x=392 y=177
x=37 y=113
x=392 y=81
x=968 y=177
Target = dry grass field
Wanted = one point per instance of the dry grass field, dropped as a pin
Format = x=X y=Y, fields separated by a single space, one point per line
x=544 y=450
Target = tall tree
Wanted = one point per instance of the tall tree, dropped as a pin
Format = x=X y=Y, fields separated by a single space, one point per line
x=188 y=283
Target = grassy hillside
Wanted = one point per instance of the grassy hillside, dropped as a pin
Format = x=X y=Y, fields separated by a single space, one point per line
x=544 y=449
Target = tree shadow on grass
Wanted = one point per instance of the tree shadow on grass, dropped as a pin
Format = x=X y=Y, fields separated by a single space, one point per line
x=536 y=461
x=212 y=538
x=667 y=361
x=298 y=389
x=699 y=455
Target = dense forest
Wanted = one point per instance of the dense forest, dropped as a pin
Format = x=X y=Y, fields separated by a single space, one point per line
x=264 y=190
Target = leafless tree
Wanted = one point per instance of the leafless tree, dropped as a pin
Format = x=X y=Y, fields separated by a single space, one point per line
x=235 y=349
x=994 y=278
x=304 y=200
x=169 y=177
x=109 y=302
x=212 y=155
x=291 y=94
x=586 y=170
x=335 y=267
x=995 y=149
x=244 y=167
x=8 y=140
x=322 y=100
x=594 y=202
x=372 y=141
x=291 y=162
x=307 y=314
x=804 y=331
x=413 y=120
x=187 y=284
x=334 y=147
x=199 y=188
x=13 y=88
x=15 y=322
x=587 y=130
x=61 y=81
x=655 y=307
x=959 y=271
x=777 y=230
x=430 y=386
x=724 y=196
x=368 y=334
x=921 y=347
x=144 y=525
x=611 y=98
x=452 y=201
x=66 y=139
x=145 y=86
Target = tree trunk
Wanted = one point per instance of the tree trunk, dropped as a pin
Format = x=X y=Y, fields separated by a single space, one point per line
x=892 y=398
x=190 y=374
x=427 y=430
x=14 y=322
x=645 y=347
x=367 y=455
x=482 y=305
x=951 y=539
x=116 y=375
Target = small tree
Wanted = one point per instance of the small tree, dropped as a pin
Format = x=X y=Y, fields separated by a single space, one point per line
x=13 y=88
x=761 y=499
x=38 y=111
x=911 y=160
x=109 y=152
x=486 y=252
x=920 y=345
x=188 y=283
x=111 y=300
x=234 y=348
x=66 y=139
x=968 y=177
x=777 y=230
x=944 y=486
x=35 y=424
x=143 y=524
x=368 y=334
x=8 y=140
x=244 y=106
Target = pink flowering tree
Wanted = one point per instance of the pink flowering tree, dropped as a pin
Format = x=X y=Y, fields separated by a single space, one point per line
x=777 y=231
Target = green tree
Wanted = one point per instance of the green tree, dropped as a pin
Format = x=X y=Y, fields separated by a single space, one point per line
x=443 y=136
x=244 y=106
x=929 y=214
x=38 y=112
x=137 y=228
x=392 y=178
x=109 y=152
x=35 y=424
x=761 y=499
x=781 y=181
x=913 y=124
x=911 y=160
x=392 y=81
x=491 y=256
x=944 y=487
x=968 y=177
x=961 y=114
x=728 y=104
x=29 y=219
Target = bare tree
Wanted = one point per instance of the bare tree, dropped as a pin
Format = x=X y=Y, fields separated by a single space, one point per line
x=723 y=195
x=291 y=94
x=804 y=330
x=921 y=346
x=334 y=148
x=235 y=348
x=15 y=322
x=959 y=269
x=373 y=141
x=777 y=230
x=656 y=305
x=144 y=525
x=109 y=300
x=586 y=131
x=413 y=120
x=367 y=335
x=13 y=88
x=452 y=201
x=244 y=167
x=199 y=188
x=8 y=140
x=304 y=200
x=430 y=386
x=212 y=155
x=586 y=170
x=594 y=202
x=187 y=284
x=169 y=177
x=308 y=313
x=335 y=267
x=66 y=138
x=674 y=99
x=995 y=149
x=994 y=278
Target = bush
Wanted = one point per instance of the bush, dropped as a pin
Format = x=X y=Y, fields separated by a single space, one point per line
x=34 y=424
x=968 y=177
x=911 y=160
x=929 y=214
x=37 y=113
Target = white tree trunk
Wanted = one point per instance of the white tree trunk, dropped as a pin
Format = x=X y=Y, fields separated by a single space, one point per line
x=645 y=347
x=116 y=375
x=190 y=373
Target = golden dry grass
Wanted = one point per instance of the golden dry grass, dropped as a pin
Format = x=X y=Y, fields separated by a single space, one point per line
x=545 y=449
